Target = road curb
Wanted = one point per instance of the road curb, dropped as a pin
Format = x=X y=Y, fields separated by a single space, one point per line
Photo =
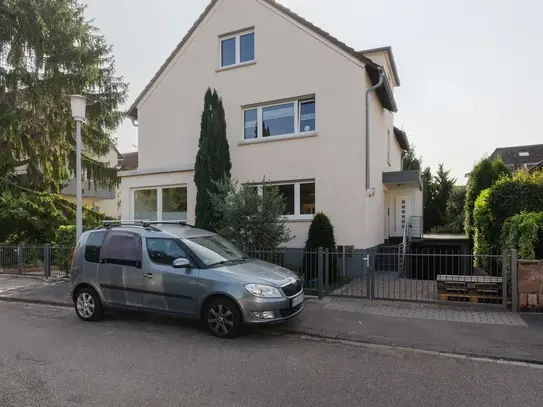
x=300 y=334
x=33 y=301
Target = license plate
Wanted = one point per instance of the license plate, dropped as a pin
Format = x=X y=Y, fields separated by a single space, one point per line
x=297 y=300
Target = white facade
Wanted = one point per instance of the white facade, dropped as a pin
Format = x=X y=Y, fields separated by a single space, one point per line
x=291 y=64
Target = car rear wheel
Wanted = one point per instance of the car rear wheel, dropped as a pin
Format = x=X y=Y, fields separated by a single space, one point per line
x=223 y=318
x=88 y=306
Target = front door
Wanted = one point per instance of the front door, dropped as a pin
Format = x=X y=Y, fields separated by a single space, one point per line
x=401 y=211
x=165 y=288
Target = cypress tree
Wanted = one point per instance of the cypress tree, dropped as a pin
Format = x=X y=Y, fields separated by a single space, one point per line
x=212 y=161
x=320 y=234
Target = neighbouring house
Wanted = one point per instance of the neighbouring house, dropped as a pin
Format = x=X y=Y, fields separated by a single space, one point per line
x=518 y=157
x=95 y=198
x=538 y=166
x=99 y=199
x=295 y=103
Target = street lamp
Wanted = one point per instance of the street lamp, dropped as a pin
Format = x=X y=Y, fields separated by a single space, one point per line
x=79 y=104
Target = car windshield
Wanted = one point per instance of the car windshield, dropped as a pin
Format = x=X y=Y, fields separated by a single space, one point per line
x=214 y=250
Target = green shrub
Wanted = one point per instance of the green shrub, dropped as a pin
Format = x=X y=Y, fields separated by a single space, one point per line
x=251 y=220
x=483 y=175
x=63 y=246
x=524 y=233
x=506 y=198
x=320 y=234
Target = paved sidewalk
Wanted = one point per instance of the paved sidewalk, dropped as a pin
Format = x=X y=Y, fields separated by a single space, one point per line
x=474 y=331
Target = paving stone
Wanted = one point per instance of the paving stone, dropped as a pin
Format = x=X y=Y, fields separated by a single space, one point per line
x=426 y=311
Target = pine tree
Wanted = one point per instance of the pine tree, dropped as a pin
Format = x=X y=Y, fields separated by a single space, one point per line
x=49 y=50
x=212 y=161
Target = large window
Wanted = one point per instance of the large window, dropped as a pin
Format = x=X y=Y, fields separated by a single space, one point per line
x=299 y=198
x=283 y=119
x=237 y=49
x=161 y=204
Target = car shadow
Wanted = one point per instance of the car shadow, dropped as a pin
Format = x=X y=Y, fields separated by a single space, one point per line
x=146 y=321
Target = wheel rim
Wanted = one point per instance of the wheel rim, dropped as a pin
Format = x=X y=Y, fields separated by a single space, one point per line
x=85 y=305
x=220 y=319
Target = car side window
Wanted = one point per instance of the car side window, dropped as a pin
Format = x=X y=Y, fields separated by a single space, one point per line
x=121 y=247
x=164 y=251
x=93 y=246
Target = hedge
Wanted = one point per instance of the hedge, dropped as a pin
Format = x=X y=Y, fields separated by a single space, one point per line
x=506 y=198
x=524 y=233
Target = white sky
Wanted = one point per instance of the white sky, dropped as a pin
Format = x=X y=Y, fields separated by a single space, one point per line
x=470 y=69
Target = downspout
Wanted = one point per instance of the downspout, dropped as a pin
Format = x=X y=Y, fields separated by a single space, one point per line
x=368 y=125
x=368 y=183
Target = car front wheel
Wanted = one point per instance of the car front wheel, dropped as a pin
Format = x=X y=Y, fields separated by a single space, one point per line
x=88 y=306
x=223 y=318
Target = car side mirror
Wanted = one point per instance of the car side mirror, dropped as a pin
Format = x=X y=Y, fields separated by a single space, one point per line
x=181 y=263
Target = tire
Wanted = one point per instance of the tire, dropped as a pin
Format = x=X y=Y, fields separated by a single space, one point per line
x=88 y=306
x=231 y=324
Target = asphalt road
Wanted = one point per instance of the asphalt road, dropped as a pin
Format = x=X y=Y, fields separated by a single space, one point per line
x=48 y=357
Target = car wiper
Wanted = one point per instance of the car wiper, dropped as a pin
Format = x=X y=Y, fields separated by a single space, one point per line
x=233 y=261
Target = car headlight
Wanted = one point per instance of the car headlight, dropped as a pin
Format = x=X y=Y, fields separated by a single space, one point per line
x=263 y=291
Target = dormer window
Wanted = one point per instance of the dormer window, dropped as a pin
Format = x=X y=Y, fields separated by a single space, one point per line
x=237 y=49
x=524 y=154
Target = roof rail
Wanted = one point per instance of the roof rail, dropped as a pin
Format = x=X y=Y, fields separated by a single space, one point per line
x=170 y=222
x=141 y=223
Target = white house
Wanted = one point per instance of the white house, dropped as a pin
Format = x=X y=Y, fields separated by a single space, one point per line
x=295 y=103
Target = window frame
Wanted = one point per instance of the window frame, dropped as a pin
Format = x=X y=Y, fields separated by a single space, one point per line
x=297 y=197
x=159 y=201
x=237 y=36
x=297 y=102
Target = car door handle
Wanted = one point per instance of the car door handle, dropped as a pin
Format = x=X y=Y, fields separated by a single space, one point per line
x=148 y=275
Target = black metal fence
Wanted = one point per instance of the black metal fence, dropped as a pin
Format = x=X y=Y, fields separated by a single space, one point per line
x=427 y=275
x=36 y=260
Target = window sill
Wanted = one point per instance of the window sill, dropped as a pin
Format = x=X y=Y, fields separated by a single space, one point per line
x=271 y=139
x=241 y=65
x=299 y=218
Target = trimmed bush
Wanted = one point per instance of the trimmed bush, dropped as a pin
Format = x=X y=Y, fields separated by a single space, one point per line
x=63 y=245
x=506 y=198
x=524 y=233
x=321 y=234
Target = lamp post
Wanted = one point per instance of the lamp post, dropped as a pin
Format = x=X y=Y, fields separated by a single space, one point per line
x=79 y=105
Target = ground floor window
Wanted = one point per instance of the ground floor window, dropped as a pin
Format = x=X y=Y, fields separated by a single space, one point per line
x=160 y=203
x=299 y=198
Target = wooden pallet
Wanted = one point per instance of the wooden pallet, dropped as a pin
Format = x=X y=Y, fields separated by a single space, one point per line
x=474 y=299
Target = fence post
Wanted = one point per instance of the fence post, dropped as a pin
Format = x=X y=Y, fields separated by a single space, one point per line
x=504 y=278
x=514 y=281
x=326 y=271
x=47 y=260
x=20 y=258
x=344 y=263
x=369 y=274
x=320 y=268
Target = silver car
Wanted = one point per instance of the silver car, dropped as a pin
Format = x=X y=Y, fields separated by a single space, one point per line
x=174 y=268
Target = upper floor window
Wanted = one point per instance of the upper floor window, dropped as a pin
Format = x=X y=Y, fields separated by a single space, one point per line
x=237 y=49
x=283 y=119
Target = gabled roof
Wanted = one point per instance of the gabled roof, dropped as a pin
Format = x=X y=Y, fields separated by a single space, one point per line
x=128 y=162
x=384 y=93
x=401 y=136
x=520 y=155
x=388 y=50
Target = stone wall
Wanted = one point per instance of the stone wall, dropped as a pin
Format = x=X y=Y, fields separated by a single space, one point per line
x=530 y=283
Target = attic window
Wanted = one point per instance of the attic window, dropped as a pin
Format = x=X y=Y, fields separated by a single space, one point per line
x=237 y=49
x=524 y=154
